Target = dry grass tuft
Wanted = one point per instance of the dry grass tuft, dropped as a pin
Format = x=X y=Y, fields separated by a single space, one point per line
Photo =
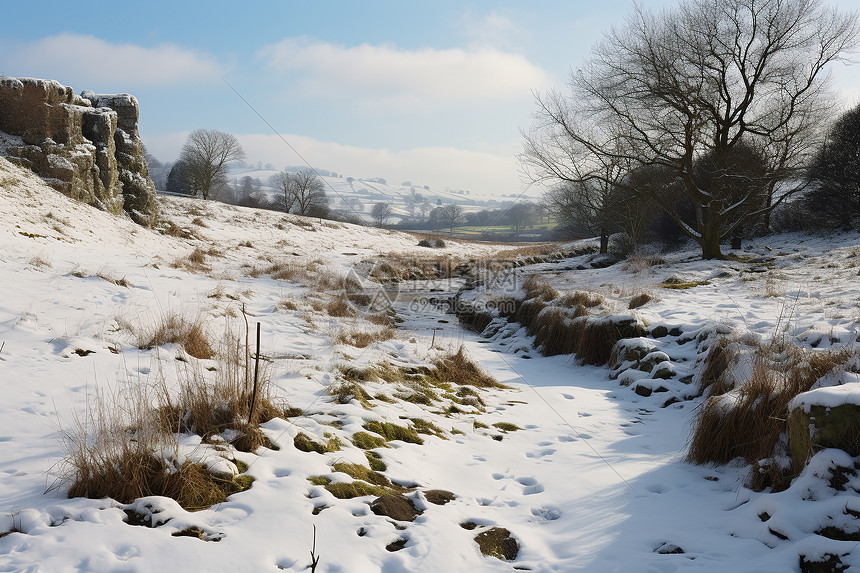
x=640 y=299
x=363 y=337
x=174 y=328
x=458 y=368
x=127 y=447
x=598 y=337
x=536 y=287
x=340 y=306
x=288 y=304
x=40 y=262
x=581 y=298
x=195 y=261
x=556 y=331
x=750 y=421
x=173 y=230
x=716 y=375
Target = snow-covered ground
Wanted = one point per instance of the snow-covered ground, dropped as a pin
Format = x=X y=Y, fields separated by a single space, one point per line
x=595 y=479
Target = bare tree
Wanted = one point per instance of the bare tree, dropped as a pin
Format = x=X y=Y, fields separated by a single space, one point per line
x=668 y=89
x=450 y=216
x=206 y=153
x=308 y=192
x=381 y=212
x=283 y=182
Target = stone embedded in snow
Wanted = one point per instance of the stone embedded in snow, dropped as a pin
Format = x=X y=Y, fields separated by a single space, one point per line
x=824 y=418
x=397 y=507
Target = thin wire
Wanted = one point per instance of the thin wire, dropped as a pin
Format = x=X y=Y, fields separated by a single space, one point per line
x=294 y=150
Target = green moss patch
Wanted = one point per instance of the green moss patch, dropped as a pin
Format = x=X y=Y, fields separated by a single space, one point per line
x=375 y=461
x=423 y=426
x=506 y=426
x=356 y=489
x=366 y=441
x=304 y=443
x=678 y=284
x=393 y=432
x=497 y=542
x=360 y=472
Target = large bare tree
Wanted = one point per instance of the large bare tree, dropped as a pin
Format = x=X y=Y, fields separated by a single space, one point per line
x=206 y=153
x=670 y=88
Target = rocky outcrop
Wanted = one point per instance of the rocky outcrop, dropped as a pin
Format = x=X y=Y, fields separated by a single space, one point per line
x=86 y=146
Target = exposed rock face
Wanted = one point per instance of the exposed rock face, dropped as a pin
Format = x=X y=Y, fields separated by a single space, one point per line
x=85 y=146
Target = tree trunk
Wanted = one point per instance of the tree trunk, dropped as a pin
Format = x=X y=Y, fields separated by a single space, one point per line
x=604 y=242
x=711 y=240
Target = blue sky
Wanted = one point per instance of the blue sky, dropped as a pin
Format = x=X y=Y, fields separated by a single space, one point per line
x=433 y=92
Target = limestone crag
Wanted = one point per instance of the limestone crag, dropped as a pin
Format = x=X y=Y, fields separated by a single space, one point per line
x=86 y=146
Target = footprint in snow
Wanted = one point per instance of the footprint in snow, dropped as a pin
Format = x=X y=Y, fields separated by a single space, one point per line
x=547 y=512
x=568 y=396
x=532 y=486
x=540 y=453
x=585 y=436
x=281 y=472
x=566 y=439
x=584 y=414
x=657 y=488
x=498 y=476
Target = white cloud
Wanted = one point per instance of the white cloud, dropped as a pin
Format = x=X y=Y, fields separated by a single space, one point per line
x=93 y=63
x=492 y=29
x=385 y=75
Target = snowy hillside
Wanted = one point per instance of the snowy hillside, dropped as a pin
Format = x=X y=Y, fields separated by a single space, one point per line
x=358 y=196
x=565 y=466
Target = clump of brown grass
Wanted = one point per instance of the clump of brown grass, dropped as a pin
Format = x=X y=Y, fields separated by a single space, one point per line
x=173 y=230
x=395 y=268
x=458 y=368
x=556 y=331
x=716 y=375
x=598 y=337
x=195 y=261
x=536 y=287
x=340 y=306
x=581 y=298
x=173 y=328
x=126 y=447
x=748 y=421
x=363 y=337
x=640 y=299
x=103 y=274
x=40 y=262
x=199 y=222
x=288 y=304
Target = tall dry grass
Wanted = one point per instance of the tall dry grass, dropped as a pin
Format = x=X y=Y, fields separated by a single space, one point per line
x=749 y=418
x=172 y=328
x=459 y=368
x=126 y=445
